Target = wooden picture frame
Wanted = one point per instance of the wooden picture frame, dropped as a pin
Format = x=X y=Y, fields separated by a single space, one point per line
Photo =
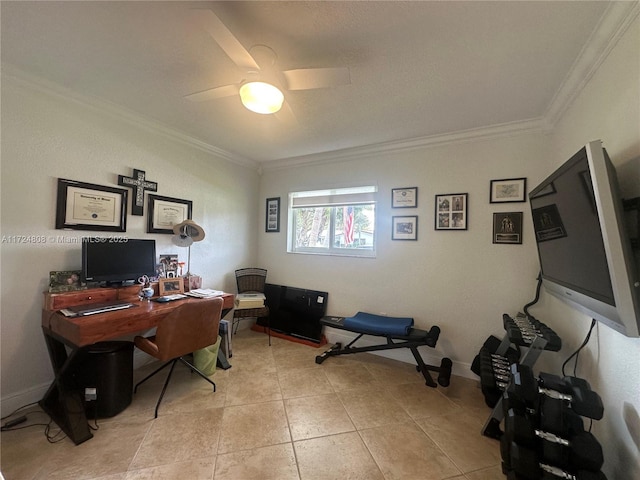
x=451 y=211
x=165 y=212
x=507 y=228
x=404 y=197
x=508 y=190
x=272 y=215
x=87 y=206
x=404 y=228
x=170 y=286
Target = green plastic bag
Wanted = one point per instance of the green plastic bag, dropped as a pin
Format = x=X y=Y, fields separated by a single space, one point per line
x=206 y=358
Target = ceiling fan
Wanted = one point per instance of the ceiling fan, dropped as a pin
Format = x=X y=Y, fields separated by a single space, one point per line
x=258 y=68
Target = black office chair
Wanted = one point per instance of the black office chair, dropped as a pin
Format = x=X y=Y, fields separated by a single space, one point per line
x=251 y=280
x=190 y=327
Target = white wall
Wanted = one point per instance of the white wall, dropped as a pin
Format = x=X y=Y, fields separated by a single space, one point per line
x=458 y=280
x=46 y=136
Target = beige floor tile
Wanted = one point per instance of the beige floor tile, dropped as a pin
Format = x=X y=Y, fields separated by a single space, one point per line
x=252 y=426
x=404 y=452
x=199 y=469
x=251 y=388
x=317 y=416
x=421 y=401
x=336 y=456
x=276 y=462
x=180 y=437
x=466 y=393
x=392 y=372
x=296 y=358
x=303 y=382
x=460 y=438
x=349 y=377
x=491 y=473
x=372 y=407
x=109 y=452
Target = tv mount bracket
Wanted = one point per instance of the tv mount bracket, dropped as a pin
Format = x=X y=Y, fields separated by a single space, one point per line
x=633 y=204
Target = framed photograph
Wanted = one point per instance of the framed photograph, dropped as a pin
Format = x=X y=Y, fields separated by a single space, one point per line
x=168 y=267
x=85 y=206
x=451 y=211
x=165 y=212
x=272 y=220
x=404 y=197
x=404 y=228
x=507 y=227
x=170 y=286
x=508 y=190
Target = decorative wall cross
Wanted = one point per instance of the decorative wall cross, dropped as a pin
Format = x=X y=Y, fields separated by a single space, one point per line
x=139 y=184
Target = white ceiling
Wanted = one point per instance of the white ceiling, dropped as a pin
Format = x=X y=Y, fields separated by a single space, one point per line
x=418 y=69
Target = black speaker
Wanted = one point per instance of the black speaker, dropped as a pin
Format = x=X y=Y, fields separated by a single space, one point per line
x=107 y=367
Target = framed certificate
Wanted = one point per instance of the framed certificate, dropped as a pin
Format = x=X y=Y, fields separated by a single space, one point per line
x=85 y=206
x=165 y=212
x=404 y=197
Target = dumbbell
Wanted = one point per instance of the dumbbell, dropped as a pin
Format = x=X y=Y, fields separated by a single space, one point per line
x=577 y=392
x=580 y=450
x=524 y=463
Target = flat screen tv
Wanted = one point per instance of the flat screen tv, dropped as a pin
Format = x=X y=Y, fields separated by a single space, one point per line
x=117 y=260
x=584 y=248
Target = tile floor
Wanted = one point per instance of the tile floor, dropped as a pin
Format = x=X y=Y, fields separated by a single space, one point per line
x=276 y=415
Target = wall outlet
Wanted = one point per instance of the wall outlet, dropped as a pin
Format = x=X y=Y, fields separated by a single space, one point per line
x=90 y=393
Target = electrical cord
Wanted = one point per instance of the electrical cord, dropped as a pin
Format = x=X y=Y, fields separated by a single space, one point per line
x=535 y=300
x=577 y=352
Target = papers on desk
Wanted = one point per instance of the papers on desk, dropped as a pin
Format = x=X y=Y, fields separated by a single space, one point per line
x=204 y=293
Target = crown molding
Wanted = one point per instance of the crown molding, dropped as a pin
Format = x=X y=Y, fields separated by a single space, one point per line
x=20 y=77
x=474 y=134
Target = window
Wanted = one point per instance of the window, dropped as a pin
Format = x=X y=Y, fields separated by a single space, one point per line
x=335 y=222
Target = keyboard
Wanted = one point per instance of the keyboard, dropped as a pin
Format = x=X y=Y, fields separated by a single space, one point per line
x=170 y=298
x=96 y=308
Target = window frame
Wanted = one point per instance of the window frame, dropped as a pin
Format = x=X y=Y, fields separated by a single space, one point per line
x=333 y=199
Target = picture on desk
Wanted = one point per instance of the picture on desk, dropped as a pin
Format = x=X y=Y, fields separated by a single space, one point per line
x=170 y=286
x=168 y=267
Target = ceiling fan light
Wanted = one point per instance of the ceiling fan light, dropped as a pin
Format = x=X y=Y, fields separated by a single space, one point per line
x=261 y=97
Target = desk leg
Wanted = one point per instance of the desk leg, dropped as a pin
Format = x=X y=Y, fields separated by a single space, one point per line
x=62 y=402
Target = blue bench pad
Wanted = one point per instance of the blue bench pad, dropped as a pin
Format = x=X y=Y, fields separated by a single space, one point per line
x=379 y=324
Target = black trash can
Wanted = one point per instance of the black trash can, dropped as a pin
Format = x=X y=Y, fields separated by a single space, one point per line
x=106 y=367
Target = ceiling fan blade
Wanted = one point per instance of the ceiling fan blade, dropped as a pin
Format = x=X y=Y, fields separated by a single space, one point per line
x=286 y=115
x=213 y=93
x=227 y=41
x=309 y=78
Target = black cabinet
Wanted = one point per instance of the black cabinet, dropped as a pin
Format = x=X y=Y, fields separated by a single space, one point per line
x=295 y=311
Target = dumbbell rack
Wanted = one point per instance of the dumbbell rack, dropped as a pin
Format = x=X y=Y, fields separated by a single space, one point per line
x=523 y=332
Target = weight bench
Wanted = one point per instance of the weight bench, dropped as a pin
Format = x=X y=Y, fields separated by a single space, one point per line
x=398 y=332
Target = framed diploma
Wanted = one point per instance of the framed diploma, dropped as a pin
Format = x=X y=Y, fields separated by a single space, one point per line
x=85 y=206
x=165 y=212
x=404 y=197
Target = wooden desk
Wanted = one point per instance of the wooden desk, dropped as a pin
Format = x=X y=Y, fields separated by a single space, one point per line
x=62 y=401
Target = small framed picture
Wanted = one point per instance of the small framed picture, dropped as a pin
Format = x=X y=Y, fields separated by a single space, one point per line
x=272 y=220
x=508 y=190
x=404 y=197
x=507 y=227
x=66 y=281
x=451 y=211
x=170 y=286
x=404 y=228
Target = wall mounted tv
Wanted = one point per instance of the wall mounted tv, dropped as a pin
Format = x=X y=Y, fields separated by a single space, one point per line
x=117 y=260
x=584 y=248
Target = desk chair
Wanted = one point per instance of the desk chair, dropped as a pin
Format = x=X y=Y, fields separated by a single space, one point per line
x=251 y=280
x=190 y=327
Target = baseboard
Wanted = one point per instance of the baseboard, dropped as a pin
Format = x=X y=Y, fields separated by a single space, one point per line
x=460 y=369
x=12 y=402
